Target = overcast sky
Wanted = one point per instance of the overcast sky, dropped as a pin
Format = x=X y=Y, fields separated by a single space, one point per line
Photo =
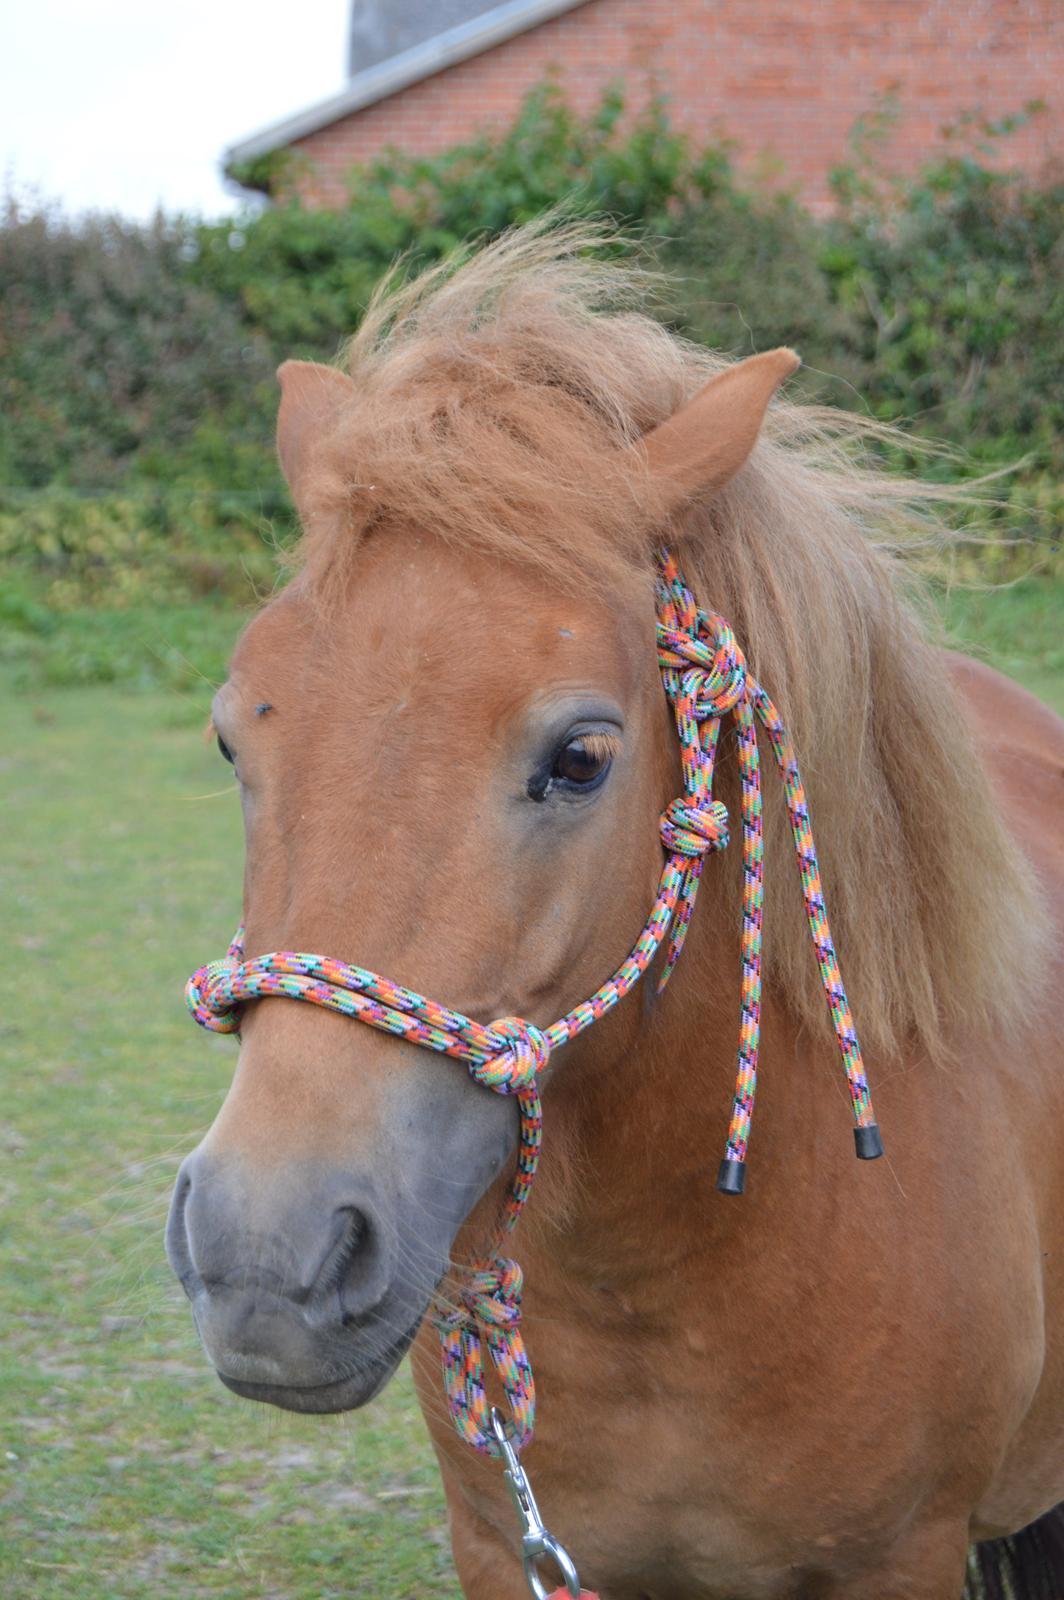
x=123 y=104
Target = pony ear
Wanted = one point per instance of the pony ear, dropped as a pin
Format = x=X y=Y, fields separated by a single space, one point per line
x=310 y=396
x=705 y=443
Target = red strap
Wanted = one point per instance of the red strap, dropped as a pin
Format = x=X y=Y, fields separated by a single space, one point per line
x=563 y=1594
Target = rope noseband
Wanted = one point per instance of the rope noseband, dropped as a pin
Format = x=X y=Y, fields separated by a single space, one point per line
x=705 y=678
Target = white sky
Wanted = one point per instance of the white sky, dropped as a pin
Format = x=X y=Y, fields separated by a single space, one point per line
x=121 y=104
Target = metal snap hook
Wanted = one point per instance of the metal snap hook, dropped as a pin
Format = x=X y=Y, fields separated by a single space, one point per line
x=537 y=1544
x=562 y=1560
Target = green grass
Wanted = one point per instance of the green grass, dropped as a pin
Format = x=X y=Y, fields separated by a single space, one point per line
x=1019 y=630
x=125 y=1469
x=139 y=647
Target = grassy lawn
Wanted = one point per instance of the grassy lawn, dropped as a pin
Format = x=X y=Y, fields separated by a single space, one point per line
x=1019 y=630
x=125 y=1468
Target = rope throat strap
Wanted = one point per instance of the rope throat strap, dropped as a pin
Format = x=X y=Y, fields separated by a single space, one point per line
x=705 y=678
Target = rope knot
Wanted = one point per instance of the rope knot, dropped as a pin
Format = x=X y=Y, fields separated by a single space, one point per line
x=709 y=662
x=724 y=685
x=517 y=1064
x=491 y=1295
x=690 y=829
x=208 y=998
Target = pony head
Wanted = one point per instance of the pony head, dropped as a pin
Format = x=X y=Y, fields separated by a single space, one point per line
x=453 y=752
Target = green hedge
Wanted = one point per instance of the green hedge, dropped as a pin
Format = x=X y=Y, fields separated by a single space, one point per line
x=136 y=383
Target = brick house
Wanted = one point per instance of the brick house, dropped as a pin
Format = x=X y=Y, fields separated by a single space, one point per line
x=784 y=80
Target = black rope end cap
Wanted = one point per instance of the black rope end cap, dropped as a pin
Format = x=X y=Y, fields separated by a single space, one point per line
x=731 y=1177
x=869 y=1142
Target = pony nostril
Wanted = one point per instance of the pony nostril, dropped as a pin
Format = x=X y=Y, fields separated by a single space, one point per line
x=354 y=1234
x=356 y=1265
x=177 y=1241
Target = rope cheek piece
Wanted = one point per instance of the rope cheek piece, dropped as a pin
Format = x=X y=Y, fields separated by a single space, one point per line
x=705 y=678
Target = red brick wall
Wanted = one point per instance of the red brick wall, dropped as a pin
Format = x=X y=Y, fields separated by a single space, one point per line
x=785 y=79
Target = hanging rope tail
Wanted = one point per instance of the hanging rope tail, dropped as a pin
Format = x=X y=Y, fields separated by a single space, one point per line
x=705 y=678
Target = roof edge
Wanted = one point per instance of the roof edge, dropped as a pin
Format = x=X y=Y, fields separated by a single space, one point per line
x=410 y=66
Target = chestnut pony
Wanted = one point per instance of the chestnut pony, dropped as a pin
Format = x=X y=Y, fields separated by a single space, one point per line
x=453 y=750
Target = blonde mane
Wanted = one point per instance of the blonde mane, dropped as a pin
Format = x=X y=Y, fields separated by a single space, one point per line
x=491 y=398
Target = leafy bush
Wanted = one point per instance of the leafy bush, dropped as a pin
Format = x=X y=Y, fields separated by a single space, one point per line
x=136 y=388
x=303 y=278
x=958 y=299
x=116 y=360
x=131 y=549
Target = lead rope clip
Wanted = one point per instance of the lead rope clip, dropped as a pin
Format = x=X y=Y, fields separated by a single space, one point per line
x=536 y=1543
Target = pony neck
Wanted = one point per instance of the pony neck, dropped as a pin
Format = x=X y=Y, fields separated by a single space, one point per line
x=636 y=1123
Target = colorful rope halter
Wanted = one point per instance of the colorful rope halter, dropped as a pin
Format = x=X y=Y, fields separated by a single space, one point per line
x=705 y=678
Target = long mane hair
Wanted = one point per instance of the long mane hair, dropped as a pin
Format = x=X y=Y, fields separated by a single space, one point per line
x=492 y=397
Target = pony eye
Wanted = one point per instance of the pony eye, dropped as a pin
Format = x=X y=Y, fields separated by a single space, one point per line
x=578 y=766
x=225 y=752
x=582 y=762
